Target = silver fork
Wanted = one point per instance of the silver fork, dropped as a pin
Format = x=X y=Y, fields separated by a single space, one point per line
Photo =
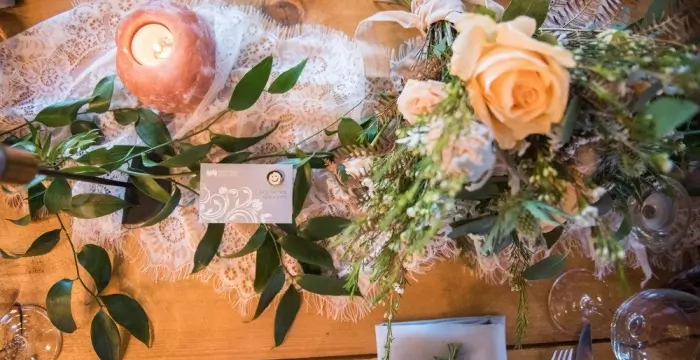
x=563 y=354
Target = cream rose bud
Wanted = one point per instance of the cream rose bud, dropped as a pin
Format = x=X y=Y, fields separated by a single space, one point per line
x=517 y=85
x=420 y=98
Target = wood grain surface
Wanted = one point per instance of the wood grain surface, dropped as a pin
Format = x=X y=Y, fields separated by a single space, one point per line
x=191 y=321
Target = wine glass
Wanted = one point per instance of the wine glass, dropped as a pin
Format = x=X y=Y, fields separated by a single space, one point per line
x=27 y=332
x=662 y=216
x=657 y=324
x=576 y=297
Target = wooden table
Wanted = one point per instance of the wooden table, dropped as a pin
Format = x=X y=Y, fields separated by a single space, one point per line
x=190 y=321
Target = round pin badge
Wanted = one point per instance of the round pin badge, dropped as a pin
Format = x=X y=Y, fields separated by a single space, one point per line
x=275 y=178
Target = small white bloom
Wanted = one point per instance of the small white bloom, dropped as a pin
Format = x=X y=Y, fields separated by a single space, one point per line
x=411 y=212
x=398 y=289
x=597 y=193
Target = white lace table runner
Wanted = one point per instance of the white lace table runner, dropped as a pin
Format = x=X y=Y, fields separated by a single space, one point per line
x=65 y=56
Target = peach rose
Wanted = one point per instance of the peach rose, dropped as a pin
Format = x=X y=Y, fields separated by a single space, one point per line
x=517 y=85
x=569 y=204
x=420 y=98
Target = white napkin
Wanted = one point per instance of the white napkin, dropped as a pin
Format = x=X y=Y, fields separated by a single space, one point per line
x=480 y=338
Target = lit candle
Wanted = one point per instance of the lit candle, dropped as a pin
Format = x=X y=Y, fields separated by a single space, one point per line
x=166 y=57
x=152 y=44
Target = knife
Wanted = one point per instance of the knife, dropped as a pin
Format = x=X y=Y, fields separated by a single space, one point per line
x=584 y=350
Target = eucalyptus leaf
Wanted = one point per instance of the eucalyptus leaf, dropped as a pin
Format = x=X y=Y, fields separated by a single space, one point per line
x=58 y=306
x=251 y=86
x=128 y=313
x=208 y=246
x=553 y=236
x=102 y=95
x=126 y=116
x=89 y=170
x=323 y=285
x=267 y=259
x=82 y=126
x=287 y=79
x=92 y=206
x=105 y=337
x=540 y=212
x=152 y=130
x=234 y=144
x=286 y=314
x=254 y=243
x=536 y=9
x=306 y=251
x=301 y=188
x=668 y=113
x=573 y=110
x=189 y=157
x=480 y=226
x=272 y=288
x=23 y=221
x=349 y=132
x=166 y=210
x=323 y=227
x=95 y=261
x=150 y=187
x=58 y=196
x=236 y=158
x=61 y=114
x=546 y=268
x=604 y=204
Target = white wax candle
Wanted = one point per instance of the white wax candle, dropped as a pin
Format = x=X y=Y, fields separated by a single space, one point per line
x=152 y=44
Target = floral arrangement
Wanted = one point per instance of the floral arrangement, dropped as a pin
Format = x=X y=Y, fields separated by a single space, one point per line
x=512 y=126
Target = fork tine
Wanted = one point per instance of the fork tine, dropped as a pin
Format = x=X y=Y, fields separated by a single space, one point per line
x=570 y=354
x=555 y=355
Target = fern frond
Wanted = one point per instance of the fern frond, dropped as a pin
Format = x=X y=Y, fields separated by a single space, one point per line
x=672 y=28
x=572 y=14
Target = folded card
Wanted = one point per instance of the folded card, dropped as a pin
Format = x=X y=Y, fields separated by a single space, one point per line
x=479 y=338
x=246 y=193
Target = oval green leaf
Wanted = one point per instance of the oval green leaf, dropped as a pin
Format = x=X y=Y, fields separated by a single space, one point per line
x=573 y=111
x=480 y=226
x=547 y=268
x=61 y=113
x=152 y=130
x=323 y=227
x=349 y=132
x=150 y=187
x=102 y=95
x=267 y=259
x=306 y=251
x=234 y=144
x=236 y=158
x=105 y=337
x=254 y=243
x=95 y=261
x=58 y=306
x=115 y=154
x=36 y=195
x=23 y=221
x=302 y=186
x=208 y=246
x=128 y=313
x=82 y=126
x=251 y=86
x=189 y=157
x=324 y=285
x=58 y=196
x=553 y=236
x=286 y=314
x=166 y=210
x=92 y=206
x=126 y=116
x=272 y=288
x=287 y=79
x=89 y=170
x=536 y=9
x=44 y=243
x=668 y=113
